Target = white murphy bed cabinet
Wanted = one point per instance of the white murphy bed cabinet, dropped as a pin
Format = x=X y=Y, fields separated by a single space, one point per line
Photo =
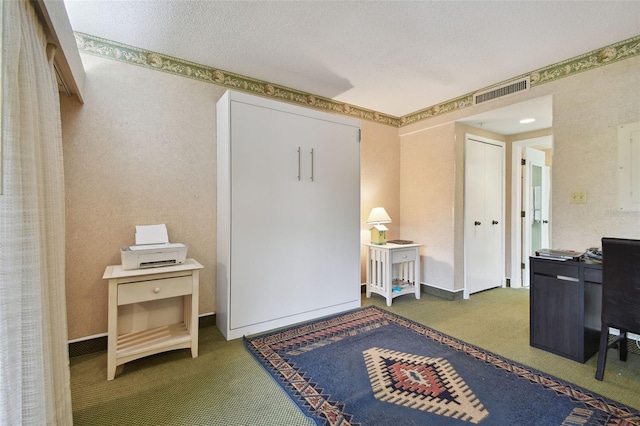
x=288 y=232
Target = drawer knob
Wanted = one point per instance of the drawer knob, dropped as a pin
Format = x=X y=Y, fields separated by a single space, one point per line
x=156 y=290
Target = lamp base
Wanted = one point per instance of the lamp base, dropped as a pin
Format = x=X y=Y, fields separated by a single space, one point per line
x=378 y=237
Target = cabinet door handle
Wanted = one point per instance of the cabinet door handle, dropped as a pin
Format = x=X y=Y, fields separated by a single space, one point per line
x=311 y=164
x=156 y=290
x=494 y=222
x=476 y=223
x=545 y=221
x=298 y=163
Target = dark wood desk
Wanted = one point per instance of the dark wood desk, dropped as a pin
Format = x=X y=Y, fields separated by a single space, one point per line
x=565 y=306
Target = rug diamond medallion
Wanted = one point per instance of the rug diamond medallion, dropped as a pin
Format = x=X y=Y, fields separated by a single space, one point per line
x=421 y=383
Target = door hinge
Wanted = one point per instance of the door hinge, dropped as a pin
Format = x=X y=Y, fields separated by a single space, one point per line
x=522 y=266
x=522 y=214
x=359 y=135
x=523 y=162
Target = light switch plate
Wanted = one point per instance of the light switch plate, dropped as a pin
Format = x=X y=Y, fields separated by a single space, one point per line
x=578 y=197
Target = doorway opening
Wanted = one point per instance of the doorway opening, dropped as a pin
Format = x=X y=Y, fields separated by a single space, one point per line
x=531 y=204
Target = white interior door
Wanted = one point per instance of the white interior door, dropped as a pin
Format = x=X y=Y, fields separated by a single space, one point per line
x=536 y=205
x=484 y=214
x=519 y=195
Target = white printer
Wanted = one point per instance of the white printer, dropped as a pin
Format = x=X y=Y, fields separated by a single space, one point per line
x=152 y=249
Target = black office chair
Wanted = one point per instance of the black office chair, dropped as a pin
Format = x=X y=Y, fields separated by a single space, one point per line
x=620 y=295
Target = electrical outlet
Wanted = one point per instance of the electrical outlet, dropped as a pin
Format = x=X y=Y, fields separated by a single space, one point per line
x=578 y=197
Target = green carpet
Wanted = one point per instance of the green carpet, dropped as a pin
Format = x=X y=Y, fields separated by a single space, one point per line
x=226 y=386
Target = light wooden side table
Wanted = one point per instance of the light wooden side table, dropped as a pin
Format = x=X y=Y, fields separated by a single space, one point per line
x=393 y=270
x=135 y=332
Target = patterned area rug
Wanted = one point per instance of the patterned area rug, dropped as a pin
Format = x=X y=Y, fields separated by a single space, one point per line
x=372 y=367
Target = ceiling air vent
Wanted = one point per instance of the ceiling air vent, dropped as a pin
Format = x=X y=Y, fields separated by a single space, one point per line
x=504 y=90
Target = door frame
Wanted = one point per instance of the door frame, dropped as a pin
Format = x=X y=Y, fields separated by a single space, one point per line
x=481 y=139
x=516 y=203
x=534 y=157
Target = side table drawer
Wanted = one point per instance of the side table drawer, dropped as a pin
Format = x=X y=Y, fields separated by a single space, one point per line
x=399 y=256
x=152 y=290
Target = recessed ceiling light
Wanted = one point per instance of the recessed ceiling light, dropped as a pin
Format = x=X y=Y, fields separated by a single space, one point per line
x=527 y=120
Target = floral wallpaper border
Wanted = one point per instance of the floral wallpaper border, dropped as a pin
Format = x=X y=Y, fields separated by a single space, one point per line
x=616 y=52
x=132 y=55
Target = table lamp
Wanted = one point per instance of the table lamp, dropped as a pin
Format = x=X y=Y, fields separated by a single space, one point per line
x=377 y=217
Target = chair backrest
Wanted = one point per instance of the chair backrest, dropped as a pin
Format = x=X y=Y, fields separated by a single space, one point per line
x=621 y=283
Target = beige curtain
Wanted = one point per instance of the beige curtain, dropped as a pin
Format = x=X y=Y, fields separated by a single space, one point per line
x=34 y=362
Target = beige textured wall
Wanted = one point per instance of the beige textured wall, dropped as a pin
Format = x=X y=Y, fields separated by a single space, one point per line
x=380 y=180
x=141 y=150
x=427 y=182
x=587 y=111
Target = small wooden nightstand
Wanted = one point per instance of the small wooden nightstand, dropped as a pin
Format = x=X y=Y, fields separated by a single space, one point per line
x=136 y=333
x=393 y=270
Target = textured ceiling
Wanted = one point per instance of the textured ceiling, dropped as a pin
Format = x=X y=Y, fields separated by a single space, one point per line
x=395 y=57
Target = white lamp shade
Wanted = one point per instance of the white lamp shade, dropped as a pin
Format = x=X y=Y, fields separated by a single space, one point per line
x=378 y=215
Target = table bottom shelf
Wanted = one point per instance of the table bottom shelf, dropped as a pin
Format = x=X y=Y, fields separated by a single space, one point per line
x=139 y=344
